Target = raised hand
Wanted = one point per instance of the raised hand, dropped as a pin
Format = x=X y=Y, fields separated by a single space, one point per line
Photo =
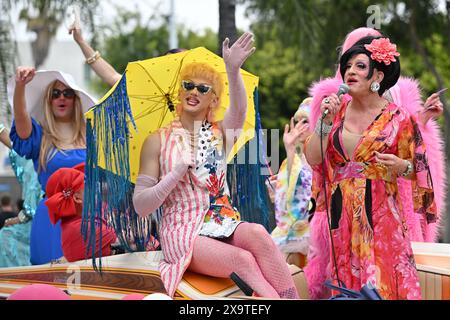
x=24 y=75
x=235 y=56
x=185 y=159
x=432 y=108
x=331 y=103
x=75 y=26
x=292 y=133
x=75 y=30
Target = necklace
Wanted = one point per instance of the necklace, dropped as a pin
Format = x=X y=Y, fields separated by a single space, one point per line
x=193 y=139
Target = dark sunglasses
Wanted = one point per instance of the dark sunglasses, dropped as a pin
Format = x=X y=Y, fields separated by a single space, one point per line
x=202 y=88
x=68 y=93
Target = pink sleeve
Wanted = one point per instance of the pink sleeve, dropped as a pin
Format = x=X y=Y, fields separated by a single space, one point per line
x=149 y=194
x=407 y=94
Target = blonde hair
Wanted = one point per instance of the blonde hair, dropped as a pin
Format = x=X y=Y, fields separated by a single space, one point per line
x=202 y=70
x=51 y=143
x=303 y=109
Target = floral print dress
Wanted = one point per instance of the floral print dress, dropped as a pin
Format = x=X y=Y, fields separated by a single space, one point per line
x=222 y=218
x=369 y=231
x=292 y=202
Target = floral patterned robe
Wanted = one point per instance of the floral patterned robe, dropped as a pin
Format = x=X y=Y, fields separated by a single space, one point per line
x=369 y=231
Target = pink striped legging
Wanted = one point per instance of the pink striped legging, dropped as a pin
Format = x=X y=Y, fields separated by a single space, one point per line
x=251 y=253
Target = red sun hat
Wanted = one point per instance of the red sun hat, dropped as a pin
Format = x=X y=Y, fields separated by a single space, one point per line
x=61 y=186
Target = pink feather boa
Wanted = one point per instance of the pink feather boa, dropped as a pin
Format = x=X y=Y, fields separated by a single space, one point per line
x=406 y=93
x=317 y=270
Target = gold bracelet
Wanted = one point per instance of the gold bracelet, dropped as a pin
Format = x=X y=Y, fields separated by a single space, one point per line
x=93 y=58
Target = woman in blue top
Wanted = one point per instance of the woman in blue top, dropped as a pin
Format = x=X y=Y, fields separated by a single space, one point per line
x=49 y=128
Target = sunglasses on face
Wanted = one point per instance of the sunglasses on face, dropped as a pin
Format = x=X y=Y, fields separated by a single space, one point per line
x=202 y=88
x=68 y=93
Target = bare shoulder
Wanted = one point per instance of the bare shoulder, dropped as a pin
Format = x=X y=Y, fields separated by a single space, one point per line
x=152 y=144
x=149 y=159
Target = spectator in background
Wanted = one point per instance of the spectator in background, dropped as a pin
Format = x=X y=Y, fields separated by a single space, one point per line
x=291 y=187
x=15 y=236
x=6 y=210
x=49 y=128
x=65 y=192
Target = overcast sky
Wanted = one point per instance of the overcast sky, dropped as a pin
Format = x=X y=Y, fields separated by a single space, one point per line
x=194 y=14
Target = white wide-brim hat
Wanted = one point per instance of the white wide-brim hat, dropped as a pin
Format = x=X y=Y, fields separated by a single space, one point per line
x=35 y=91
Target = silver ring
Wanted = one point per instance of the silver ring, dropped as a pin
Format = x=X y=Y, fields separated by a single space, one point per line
x=326 y=100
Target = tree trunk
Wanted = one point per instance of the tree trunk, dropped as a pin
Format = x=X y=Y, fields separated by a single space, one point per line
x=227 y=22
x=45 y=30
x=8 y=54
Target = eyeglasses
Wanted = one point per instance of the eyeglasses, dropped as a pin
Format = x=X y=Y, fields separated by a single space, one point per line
x=202 y=88
x=68 y=93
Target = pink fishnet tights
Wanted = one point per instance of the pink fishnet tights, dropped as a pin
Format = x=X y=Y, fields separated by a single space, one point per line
x=251 y=253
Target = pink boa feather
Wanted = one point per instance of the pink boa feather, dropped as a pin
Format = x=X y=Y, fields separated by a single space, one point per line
x=318 y=266
x=407 y=94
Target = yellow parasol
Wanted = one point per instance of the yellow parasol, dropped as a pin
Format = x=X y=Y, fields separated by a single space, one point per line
x=152 y=89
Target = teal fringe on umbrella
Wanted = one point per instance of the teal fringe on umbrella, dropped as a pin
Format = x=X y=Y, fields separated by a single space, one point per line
x=245 y=181
x=108 y=192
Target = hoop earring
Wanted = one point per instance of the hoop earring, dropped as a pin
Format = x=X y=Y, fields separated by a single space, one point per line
x=374 y=86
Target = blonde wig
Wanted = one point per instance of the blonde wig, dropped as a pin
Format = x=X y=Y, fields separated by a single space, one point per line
x=204 y=71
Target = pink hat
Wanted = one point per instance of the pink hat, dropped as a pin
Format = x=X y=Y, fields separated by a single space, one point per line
x=353 y=37
x=39 y=292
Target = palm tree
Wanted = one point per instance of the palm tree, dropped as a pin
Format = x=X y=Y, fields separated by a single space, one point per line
x=7 y=59
x=44 y=17
x=227 y=22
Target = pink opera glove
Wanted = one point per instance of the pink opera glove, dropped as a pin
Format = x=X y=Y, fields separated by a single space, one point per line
x=149 y=194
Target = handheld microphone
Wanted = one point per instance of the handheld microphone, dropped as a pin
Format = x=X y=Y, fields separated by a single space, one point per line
x=343 y=89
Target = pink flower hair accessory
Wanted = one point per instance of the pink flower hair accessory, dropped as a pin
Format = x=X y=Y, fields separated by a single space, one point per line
x=382 y=50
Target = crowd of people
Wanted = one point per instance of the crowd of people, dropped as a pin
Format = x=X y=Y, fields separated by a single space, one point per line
x=355 y=188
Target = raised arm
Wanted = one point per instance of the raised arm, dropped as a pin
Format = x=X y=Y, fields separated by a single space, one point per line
x=312 y=145
x=234 y=58
x=100 y=66
x=432 y=108
x=21 y=116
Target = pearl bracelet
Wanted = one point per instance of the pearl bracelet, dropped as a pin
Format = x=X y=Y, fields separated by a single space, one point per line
x=93 y=58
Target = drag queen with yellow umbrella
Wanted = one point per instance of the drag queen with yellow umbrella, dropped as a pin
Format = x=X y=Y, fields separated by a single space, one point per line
x=183 y=168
